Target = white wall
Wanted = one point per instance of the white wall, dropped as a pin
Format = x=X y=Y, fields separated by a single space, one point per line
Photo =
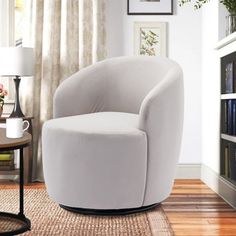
x=210 y=86
x=213 y=29
x=184 y=46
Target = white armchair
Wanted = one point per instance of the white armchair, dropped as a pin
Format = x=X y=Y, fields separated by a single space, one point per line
x=114 y=144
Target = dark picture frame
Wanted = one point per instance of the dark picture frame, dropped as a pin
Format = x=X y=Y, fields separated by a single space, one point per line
x=130 y=12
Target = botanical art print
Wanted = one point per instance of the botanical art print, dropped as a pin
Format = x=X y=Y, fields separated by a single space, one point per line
x=149 y=42
x=150 y=38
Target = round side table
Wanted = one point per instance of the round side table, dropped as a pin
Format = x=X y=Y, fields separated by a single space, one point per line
x=7 y=144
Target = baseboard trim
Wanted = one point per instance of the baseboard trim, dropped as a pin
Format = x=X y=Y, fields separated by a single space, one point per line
x=188 y=171
x=219 y=185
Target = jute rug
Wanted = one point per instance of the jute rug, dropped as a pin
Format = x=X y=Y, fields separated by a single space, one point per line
x=47 y=218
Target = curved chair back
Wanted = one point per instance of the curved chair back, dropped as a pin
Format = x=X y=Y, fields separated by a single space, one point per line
x=130 y=79
x=117 y=84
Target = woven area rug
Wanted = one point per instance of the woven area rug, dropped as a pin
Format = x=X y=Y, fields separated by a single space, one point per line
x=47 y=218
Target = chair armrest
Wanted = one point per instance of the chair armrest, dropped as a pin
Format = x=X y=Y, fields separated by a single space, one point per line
x=169 y=90
x=161 y=117
x=82 y=93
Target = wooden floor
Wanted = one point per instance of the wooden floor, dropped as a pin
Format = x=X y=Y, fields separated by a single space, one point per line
x=192 y=209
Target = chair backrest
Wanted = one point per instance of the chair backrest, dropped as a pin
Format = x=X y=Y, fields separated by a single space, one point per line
x=117 y=84
x=129 y=80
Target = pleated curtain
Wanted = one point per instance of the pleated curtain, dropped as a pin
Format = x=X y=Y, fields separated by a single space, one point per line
x=67 y=35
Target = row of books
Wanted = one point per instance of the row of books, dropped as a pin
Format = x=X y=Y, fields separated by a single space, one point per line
x=229 y=117
x=229 y=161
x=7 y=160
x=230 y=77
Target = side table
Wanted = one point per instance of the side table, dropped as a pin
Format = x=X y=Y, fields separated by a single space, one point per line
x=7 y=144
x=28 y=154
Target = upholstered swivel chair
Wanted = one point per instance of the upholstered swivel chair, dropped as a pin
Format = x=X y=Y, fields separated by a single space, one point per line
x=114 y=142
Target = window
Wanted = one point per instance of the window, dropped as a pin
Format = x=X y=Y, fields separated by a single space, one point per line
x=11 y=25
x=19 y=22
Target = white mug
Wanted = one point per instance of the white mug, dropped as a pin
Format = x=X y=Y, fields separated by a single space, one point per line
x=15 y=127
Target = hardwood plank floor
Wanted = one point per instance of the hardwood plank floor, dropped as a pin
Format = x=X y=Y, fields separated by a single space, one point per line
x=193 y=209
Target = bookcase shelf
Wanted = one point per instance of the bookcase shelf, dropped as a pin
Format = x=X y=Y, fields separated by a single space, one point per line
x=230 y=138
x=229 y=180
x=228 y=118
x=228 y=96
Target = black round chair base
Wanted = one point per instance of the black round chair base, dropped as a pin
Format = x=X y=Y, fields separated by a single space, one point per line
x=112 y=212
x=26 y=224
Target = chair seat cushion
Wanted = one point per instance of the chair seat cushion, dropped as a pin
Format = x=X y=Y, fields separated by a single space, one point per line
x=107 y=145
x=97 y=123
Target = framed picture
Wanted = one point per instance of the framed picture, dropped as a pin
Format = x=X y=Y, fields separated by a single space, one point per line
x=150 y=38
x=150 y=7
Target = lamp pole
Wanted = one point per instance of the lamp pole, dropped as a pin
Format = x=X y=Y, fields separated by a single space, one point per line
x=17 y=112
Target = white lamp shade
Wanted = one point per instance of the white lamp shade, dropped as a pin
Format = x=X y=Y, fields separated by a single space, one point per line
x=16 y=61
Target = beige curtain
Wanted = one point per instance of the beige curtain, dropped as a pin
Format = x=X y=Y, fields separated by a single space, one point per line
x=67 y=35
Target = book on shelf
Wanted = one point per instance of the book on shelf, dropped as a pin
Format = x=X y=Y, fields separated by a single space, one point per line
x=234 y=117
x=5 y=157
x=233 y=162
x=229 y=77
x=224 y=118
x=6 y=152
x=7 y=161
x=226 y=161
x=6 y=168
x=229 y=160
x=230 y=117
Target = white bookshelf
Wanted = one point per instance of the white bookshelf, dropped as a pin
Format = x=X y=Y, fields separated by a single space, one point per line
x=226 y=41
x=229 y=137
x=228 y=96
x=227 y=54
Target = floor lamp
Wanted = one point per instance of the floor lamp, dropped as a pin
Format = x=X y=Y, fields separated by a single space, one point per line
x=16 y=62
